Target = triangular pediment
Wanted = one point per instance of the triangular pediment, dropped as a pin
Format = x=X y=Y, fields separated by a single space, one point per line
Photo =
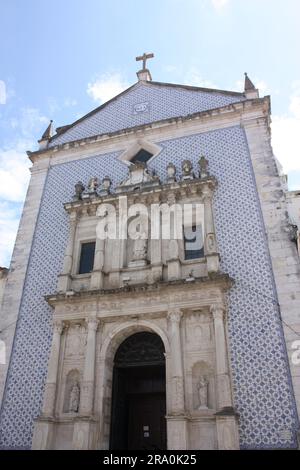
x=144 y=103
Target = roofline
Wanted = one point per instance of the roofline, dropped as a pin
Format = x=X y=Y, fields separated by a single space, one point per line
x=196 y=88
x=142 y=126
x=69 y=126
x=175 y=85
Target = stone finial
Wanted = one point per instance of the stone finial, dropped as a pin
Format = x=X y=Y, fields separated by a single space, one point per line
x=203 y=167
x=249 y=88
x=248 y=83
x=171 y=172
x=46 y=136
x=79 y=188
x=187 y=170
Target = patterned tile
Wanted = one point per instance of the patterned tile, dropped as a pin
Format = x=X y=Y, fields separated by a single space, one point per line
x=262 y=388
x=161 y=103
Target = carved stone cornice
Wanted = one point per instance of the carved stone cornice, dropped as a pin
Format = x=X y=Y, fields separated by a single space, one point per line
x=261 y=104
x=148 y=195
x=221 y=281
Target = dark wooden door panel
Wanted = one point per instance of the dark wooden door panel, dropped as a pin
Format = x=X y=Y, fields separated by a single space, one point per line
x=147 y=423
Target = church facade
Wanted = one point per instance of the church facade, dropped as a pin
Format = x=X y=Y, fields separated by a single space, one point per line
x=169 y=339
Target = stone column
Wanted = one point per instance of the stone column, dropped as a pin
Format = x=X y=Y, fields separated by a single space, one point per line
x=224 y=392
x=50 y=388
x=176 y=419
x=97 y=274
x=226 y=418
x=156 y=238
x=85 y=424
x=44 y=425
x=64 y=279
x=88 y=382
x=115 y=247
x=210 y=244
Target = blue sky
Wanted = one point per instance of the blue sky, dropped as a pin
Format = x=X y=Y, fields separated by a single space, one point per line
x=60 y=59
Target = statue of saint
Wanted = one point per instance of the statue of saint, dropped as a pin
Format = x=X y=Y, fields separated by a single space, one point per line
x=203 y=393
x=74 y=398
x=93 y=185
x=203 y=166
x=187 y=169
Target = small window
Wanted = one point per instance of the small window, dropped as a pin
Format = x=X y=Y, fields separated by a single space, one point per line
x=142 y=156
x=87 y=257
x=193 y=242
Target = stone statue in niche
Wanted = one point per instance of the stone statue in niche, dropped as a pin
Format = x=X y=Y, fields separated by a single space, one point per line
x=203 y=393
x=140 y=249
x=140 y=245
x=74 y=398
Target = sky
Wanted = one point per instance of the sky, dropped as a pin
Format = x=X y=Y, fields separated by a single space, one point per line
x=59 y=59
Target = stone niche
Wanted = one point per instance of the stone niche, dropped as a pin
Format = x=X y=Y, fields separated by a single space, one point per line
x=203 y=388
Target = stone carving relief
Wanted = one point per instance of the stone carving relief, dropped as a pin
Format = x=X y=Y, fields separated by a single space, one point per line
x=76 y=340
x=199 y=331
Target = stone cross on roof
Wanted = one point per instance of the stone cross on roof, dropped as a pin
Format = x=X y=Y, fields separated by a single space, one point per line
x=144 y=58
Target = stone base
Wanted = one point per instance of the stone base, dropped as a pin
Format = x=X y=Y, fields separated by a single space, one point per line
x=227 y=431
x=177 y=432
x=43 y=433
x=174 y=269
x=213 y=263
x=137 y=263
x=83 y=434
x=64 y=282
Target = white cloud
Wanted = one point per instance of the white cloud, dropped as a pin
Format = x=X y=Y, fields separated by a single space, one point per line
x=9 y=221
x=2 y=92
x=194 y=78
x=219 y=4
x=286 y=135
x=14 y=174
x=106 y=87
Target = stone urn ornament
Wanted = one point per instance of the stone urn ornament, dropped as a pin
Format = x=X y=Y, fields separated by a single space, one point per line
x=105 y=186
x=79 y=188
x=203 y=167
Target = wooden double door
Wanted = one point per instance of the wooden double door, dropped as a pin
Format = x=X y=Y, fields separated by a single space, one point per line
x=139 y=400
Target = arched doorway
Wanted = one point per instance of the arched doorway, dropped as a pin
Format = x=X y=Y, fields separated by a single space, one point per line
x=139 y=394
